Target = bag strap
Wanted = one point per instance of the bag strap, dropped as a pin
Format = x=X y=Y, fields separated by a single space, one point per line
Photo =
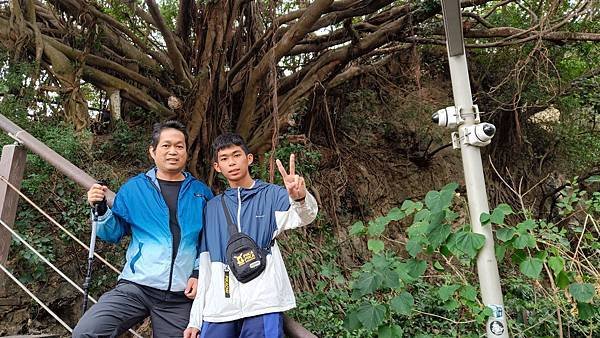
x=233 y=229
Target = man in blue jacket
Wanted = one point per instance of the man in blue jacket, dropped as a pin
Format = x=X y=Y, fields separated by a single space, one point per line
x=225 y=307
x=162 y=210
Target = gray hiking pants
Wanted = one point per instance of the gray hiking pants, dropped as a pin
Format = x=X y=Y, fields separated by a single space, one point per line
x=128 y=304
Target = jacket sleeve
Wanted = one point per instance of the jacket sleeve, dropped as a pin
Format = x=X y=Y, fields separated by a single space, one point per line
x=112 y=226
x=197 y=311
x=299 y=213
x=209 y=195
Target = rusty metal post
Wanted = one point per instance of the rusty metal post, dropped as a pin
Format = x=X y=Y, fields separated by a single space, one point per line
x=12 y=167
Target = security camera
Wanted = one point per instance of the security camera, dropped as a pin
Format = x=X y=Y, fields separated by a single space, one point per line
x=448 y=117
x=479 y=134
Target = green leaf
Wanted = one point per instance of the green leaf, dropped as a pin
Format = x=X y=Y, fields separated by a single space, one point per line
x=524 y=241
x=413 y=247
x=526 y=225
x=445 y=292
x=391 y=331
x=367 y=283
x=505 y=208
x=376 y=227
x=582 y=292
x=403 y=303
x=484 y=218
x=562 y=280
x=497 y=217
x=357 y=228
x=469 y=242
x=593 y=179
x=416 y=267
x=505 y=234
x=408 y=207
x=447 y=194
x=371 y=316
x=375 y=245
x=391 y=279
x=351 y=321
x=396 y=214
x=438 y=266
x=439 y=234
x=531 y=267
x=468 y=292
x=586 y=311
x=421 y=215
x=433 y=202
x=451 y=305
x=500 y=251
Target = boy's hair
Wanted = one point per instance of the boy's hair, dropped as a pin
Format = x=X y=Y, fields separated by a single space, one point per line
x=157 y=129
x=227 y=140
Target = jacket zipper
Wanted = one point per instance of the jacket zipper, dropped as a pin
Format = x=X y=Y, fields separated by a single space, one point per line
x=173 y=255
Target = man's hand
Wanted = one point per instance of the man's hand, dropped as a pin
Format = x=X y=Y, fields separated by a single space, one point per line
x=191 y=289
x=96 y=194
x=293 y=183
x=191 y=332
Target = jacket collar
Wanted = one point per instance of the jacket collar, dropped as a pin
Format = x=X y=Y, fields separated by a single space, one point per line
x=151 y=174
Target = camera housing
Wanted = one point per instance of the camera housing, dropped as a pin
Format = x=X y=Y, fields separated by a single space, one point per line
x=448 y=117
x=479 y=134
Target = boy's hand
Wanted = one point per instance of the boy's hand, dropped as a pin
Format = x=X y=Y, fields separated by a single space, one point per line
x=293 y=183
x=191 y=332
x=192 y=288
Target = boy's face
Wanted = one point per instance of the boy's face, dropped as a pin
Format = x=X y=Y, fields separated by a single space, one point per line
x=233 y=163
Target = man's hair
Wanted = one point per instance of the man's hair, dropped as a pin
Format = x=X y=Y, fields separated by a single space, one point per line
x=227 y=140
x=158 y=128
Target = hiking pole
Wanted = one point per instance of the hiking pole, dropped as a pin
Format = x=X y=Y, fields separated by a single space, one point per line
x=88 y=275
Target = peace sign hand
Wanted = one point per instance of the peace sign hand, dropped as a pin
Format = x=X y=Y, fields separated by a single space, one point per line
x=293 y=183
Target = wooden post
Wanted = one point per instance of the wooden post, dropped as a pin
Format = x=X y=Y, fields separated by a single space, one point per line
x=12 y=167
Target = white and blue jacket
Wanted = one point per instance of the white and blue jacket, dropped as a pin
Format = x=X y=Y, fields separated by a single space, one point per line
x=140 y=210
x=262 y=212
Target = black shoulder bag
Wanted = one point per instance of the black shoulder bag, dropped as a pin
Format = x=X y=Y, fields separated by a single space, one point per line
x=245 y=258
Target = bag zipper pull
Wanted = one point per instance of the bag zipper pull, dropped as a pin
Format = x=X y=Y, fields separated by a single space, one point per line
x=226 y=282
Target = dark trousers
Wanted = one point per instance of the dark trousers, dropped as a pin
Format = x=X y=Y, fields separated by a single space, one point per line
x=128 y=304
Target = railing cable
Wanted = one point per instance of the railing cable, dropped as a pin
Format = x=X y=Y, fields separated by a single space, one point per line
x=57 y=224
x=35 y=298
x=45 y=260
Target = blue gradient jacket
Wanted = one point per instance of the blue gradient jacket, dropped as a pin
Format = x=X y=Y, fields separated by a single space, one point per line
x=140 y=210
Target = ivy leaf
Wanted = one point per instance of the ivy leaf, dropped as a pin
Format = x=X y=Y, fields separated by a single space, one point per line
x=484 y=218
x=376 y=227
x=391 y=279
x=562 y=280
x=582 y=292
x=524 y=241
x=468 y=292
x=367 y=283
x=357 y=228
x=586 y=311
x=500 y=252
x=447 y=194
x=526 y=225
x=413 y=247
x=371 y=316
x=433 y=202
x=531 y=267
x=439 y=234
x=391 y=331
x=375 y=245
x=403 y=303
x=396 y=214
x=445 y=292
x=505 y=234
x=351 y=322
x=469 y=242
x=497 y=217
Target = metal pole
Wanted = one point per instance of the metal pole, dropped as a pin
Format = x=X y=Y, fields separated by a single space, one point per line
x=487 y=267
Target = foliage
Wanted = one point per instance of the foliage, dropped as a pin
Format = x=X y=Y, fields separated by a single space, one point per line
x=306 y=161
x=390 y=289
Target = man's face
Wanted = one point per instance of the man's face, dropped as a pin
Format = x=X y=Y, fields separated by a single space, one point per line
x=233 y=163
x=170 y=155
